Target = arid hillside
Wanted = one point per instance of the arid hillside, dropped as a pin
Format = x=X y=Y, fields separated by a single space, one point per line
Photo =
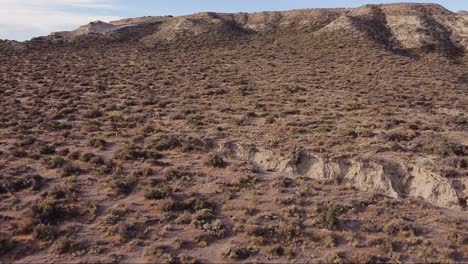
x=316 y=135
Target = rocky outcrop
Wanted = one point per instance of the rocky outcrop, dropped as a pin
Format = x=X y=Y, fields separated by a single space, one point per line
x=97 y=27
x=196 y=25
x=395 y=26
x=391 y=178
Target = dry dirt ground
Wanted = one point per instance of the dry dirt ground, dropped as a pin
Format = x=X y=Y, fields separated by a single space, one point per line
x=196 y=140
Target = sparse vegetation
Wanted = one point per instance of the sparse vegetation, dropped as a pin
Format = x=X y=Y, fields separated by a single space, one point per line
x=240 y=253
x=159 y=193
x=50 y=211
x=123 y=185
x=216 y=161
x=46 y=149
x=7 y=245
x=69 y=169
x=97 y=143
x=269 y=137
x=328 y=218
x=55 y=162
x=44 y=232
x=132 y=152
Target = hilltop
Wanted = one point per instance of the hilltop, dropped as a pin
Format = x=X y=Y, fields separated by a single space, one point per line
x=397 y=26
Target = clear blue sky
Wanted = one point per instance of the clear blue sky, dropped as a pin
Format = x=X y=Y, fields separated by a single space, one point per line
x=23 y=19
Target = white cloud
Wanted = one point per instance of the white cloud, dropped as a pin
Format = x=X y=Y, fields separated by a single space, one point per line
x=24 y=19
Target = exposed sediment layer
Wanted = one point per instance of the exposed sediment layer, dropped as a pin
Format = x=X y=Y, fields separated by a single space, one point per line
x=391 y=178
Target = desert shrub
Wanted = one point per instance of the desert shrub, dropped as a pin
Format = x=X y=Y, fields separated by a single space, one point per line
x=291 y=231
x=200 y=204
x=56 y=126
x=457 y=162
x=293 y=211
x=108 y=167
x=328 y=218
x=130 y=230
x=295 y=89
x=46 y=149
x=204 y=215
x=192 y=204
x=26 y=141
x=261 y=231
x=112 y=217
x=276 y=251
x=195 y=120
x=7 y=244
x=185 y=259
x=400 y=135
x=65 y=111
x=251 y=114
x=171 y=204
x=66 y=245
x=97 y=143
x=371 y=227
x=18 y=153
x=74 y=155
x=439 y=145
x=371 y=259
x=215 y=161
x=400 y=227
x=159 y=193
x=169 y=258
x=49 y=211
x=243 y=181
x=132 y=152
x=173 y=174
x=215 y=228
x=283 y=182
x=21 y=183
x=206 y=220
x=55 y=162
x=240 y=253
x=44 y=232
x=270 y=120
x=166 y=142
x=460 y=120
x=190 y=144
x=123 y=185
x=63 y=152
x=129 y=153
x=92 y=114
x=329 y=241
x=181 y=114
x=250 y=211
x=147 y=171
x=245 y=90
x=183 y=219
x=86 y=156
x=97 y=160
x=59 y=192
x=338 y=257
x=69 y=169
x=288 y=200
x=291 y=112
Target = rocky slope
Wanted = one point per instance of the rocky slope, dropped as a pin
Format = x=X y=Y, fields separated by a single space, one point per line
x=316 y=135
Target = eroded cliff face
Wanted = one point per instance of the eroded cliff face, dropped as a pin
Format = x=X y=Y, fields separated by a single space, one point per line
x=392 y=178
x=397 y=26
